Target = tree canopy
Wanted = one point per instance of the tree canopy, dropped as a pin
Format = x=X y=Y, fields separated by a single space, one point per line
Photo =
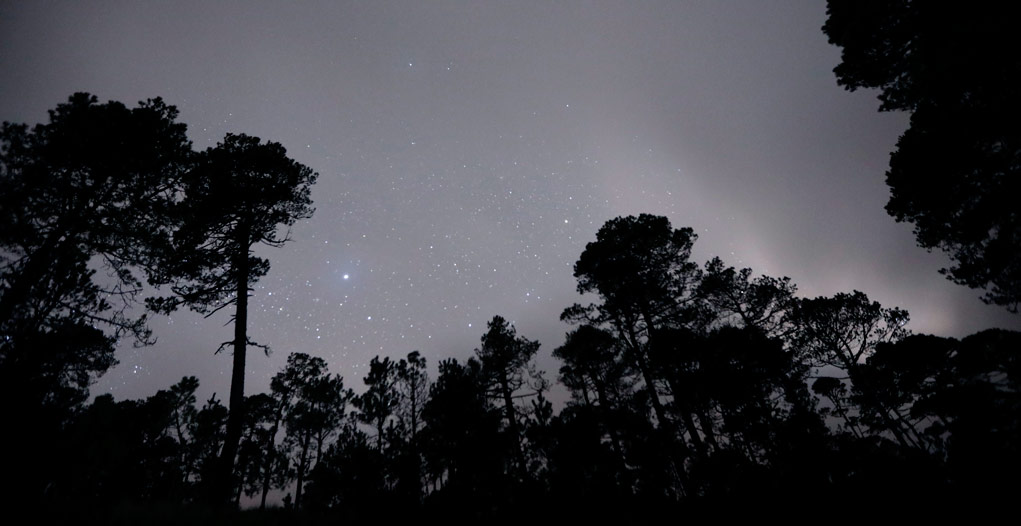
x=677 y=413
x=955 y=172
x=84 y=201
x=689 y=384
x=96 y=181
x=237 y=194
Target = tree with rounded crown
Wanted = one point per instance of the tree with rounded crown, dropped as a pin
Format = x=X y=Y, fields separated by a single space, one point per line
x=239 y=194
x=93 y=185
x=84 y=197
x=640 y=269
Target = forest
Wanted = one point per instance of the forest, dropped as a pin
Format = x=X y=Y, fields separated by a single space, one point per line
x=694 y=385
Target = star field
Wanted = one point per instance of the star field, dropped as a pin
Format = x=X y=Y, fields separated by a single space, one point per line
x=467 y=152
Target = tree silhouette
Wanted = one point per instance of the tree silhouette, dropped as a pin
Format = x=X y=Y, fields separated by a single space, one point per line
x=835 y=390
x=585 y=476
x=593 y=366
x=350 y=480
x=460 y=433
x=734 y=296
x=843 y=330
x=841 y=333
x=378 y=403
x=86 y=191
x=740 y=384
x=109 y=440
x=182 y=412
x=639 y=268
x=926 y=416
x=507 y=367
x=208 y=435
x=94 y=181
x=955 y=170
x=955 y=400
x=319 y=410
x=893 y=378
x=238 y=195
x=980 y=407
x=413 y=387
x=258 y=451
x=313 y=405
x=597 y=375
x=689 y=384
x=286 y=386
x=327 y=410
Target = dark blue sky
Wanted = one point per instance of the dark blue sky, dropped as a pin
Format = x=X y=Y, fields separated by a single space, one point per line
x=467 y=151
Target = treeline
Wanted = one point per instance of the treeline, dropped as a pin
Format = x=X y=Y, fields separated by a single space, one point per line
x=691 y=386
x=100 y=205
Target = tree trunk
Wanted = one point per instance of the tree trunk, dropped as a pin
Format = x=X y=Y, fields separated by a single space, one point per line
x=650 y=388
x=665 y=426
x=235 y=415
x=643 y=365
x=512 y=422
x=605 y=410
x=237 y=495
x=685 y=414
x=413 y=443
x=244 y=460
x=265 y=485
x=689 y=424
x=185 y=448
x=268 y=467
x=584 y=394
x=302 y=466
x=269 y=462
x=707 y=428
x=414 y=409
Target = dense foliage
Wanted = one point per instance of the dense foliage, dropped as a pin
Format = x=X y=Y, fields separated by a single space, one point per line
x=105 y=187
x=955 y=172
x=690 y=384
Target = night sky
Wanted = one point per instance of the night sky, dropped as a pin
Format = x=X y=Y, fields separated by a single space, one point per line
x=468 y=151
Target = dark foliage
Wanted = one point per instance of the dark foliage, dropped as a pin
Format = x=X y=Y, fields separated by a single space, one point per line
x=235 y=195
x=84 y=202
x=955 y=172
x=763 y=397
x=693 y=387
